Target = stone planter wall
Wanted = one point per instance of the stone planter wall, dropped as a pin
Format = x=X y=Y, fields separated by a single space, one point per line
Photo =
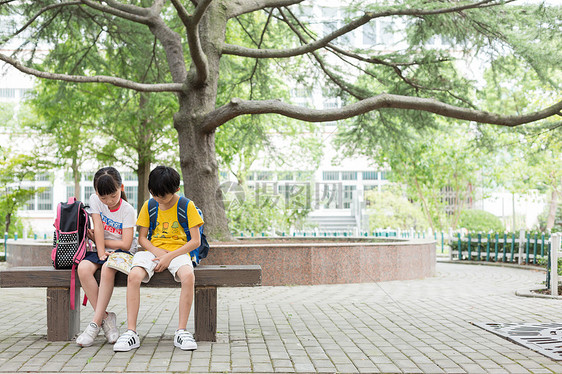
x=297 y=261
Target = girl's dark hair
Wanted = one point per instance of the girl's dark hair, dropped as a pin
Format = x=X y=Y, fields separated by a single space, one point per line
x=108 y=180
x=163 y=180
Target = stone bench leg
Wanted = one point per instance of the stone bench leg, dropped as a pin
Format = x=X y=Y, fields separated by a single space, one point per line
x=206 y=314
x=62 y=323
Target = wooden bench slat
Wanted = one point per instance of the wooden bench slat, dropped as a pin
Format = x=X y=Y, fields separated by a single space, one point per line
x=205 y=275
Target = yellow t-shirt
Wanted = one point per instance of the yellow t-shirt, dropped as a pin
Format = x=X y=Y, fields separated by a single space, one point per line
x=169 y=234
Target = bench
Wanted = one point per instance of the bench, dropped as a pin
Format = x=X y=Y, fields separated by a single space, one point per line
x=64 y=323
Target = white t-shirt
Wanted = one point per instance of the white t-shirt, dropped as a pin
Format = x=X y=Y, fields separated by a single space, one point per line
x=114 y=221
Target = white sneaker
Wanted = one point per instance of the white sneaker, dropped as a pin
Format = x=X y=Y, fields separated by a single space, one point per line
x=129 y=340
x=184 y=340
x=87 y=338
x=109 y=326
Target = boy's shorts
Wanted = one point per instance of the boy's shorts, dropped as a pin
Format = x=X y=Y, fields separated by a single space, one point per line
x=144 y=259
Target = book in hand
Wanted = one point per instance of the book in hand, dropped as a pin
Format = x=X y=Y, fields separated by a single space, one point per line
x=121 y=261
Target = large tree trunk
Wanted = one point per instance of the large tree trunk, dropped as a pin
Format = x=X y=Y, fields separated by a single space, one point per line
x=200 y=176
x=198 y=159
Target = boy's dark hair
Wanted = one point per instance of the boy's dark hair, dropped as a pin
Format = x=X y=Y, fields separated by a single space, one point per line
x=107 y=180
x=163 y=180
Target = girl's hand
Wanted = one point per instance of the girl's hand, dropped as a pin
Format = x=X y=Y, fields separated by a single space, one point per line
x=103 y=256
x=162 y=262
x=91 y=234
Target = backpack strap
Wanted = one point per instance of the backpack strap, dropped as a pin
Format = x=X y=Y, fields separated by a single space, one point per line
x=182 y=219
x=153 y=215
x=182 y=215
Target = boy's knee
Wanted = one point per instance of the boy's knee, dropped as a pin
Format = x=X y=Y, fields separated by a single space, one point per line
x=186 y=275
x=136 y=275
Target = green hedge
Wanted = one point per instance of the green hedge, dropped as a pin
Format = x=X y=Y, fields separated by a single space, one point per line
x=475 y=220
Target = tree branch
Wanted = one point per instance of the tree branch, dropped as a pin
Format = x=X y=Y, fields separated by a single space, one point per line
x=117 y=12
x=230 y=49
x=194 y=40
x=344 y=86
x=239 y=7
x=139 y=11
x=119 y=82
x=237 y=107
x=41 y=11
x=191 y=23
x=182 y=12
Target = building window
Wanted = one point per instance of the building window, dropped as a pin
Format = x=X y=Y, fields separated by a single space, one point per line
x=348 y=192
x=130 y=176
x=8 y=93
x=30 y=204
x=370 y=34
x=132 y=193
x=69 y=192
x=285 y=176
x=384 y=175
x=349 y=175
x=370 y=175
x=88 y=177
x=88 y=191
x=303 y=175
x=43 y=177
x=264 y=176
x=366 y=192
x=331 y=175
x=45 y=199
x=331 y=103
x=251 y=177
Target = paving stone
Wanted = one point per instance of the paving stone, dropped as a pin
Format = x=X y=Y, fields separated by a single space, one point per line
x=411 y=326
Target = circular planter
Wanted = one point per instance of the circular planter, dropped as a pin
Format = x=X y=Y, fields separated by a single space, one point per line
x=297 y=261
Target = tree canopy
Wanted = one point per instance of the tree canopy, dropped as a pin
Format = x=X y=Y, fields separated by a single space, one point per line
x=387 y=88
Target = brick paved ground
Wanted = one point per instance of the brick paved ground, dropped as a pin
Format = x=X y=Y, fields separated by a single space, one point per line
x=419 y=326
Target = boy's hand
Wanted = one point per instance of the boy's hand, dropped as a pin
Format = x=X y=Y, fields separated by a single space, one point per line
x=162 y=262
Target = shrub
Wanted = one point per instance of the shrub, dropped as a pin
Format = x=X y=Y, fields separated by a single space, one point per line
x=480 y=221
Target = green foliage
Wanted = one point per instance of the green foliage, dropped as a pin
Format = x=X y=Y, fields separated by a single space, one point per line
x=112 y=125
x=277 y=141
x=557 y=219
x=391 y=208
x=479 y=221
x=6 y=115
x=15 y=169
x=256 y=210
x=430 y=163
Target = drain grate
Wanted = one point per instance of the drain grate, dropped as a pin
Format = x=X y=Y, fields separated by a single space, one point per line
x=544 y=338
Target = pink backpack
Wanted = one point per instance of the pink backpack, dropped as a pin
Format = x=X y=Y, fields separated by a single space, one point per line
x=70 y=240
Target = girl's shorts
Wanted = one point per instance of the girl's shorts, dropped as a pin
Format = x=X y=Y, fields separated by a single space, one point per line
x=93 y=257
x=144 y=259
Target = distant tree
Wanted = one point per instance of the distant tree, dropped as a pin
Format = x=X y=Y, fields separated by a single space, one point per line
x=391 y=208
x=15 y=170
x=528 y=157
